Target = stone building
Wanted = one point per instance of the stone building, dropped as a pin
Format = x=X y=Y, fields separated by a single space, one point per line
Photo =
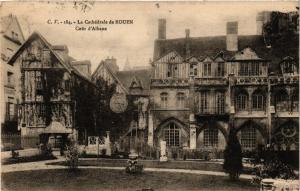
x=11 y=39
x=56 y=98
x=203 y=86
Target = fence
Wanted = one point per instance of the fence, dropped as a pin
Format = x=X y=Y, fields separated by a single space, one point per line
x=16 y=142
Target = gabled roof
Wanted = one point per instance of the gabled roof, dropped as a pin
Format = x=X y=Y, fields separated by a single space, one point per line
x=171 y=57
x=246 y=54
x=105 y=66
x=64 y=59
x=135 y=83
x=202 y=47
x=142 y=76
x=7 y=21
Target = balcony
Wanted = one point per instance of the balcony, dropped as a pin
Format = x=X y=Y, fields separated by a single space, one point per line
x=169 y=82
x=251 y=80
x=274 y=80
x=212 y=111
x=211 y=81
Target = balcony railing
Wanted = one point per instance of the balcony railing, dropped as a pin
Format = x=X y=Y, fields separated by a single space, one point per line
x=212 y=110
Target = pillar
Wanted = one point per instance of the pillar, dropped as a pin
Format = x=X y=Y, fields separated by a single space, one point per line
x=150 y=130
x=107 y=144
x=193 y=136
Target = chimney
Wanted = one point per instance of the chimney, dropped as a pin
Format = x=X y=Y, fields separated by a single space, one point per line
x=232 y=36
x=187 y=33
x=187 y=43
x=261 y=19
x=162 y=28
x=259 y=23
x=112 y=64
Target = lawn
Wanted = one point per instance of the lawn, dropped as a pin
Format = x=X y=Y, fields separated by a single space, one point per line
x=99 y=179
x=194 y=165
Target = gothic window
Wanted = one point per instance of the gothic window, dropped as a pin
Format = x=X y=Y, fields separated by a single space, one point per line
x=203 y=102
x=210 y=137
x=172 y=135
x=258 y=101
x=220 y=102
x=206 y=69
x=241 y=101
x=248 y=137
x=220 y=69
x=181 y=100
x=164 y=100
x=287 y=135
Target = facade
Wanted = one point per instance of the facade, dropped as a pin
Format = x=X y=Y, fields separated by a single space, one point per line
x=11 y=39
x=52 y=91
x=201 y=87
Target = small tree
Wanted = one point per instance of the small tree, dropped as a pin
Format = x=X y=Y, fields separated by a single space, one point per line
x=72 y=155
x=233 y=156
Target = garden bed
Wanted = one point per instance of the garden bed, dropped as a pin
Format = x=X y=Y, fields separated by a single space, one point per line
x=193 y=165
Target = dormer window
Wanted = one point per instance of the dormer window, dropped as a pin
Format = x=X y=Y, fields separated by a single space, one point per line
x=220 y=69
x=206 y=69
x=288 y=66
x=193 y=69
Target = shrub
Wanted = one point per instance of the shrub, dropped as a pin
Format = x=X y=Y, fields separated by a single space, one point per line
x=46 y=150
x=273 y=169
x=72 y=156
x=233 y=156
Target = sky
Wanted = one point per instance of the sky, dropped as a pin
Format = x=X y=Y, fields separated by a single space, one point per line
x=133 y=41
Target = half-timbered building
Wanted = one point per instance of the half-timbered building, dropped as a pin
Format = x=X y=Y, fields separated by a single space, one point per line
x=56 y=98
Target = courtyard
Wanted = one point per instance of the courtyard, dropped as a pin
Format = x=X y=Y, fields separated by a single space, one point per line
x=107 y=179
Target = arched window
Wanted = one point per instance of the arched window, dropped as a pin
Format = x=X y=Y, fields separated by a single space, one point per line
x=287 y=135
x=172 y=135
x=164 y=100
x=210 y=138
x=258 y=101
x=181 y=100
x=242 y=101
x=248 y=137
